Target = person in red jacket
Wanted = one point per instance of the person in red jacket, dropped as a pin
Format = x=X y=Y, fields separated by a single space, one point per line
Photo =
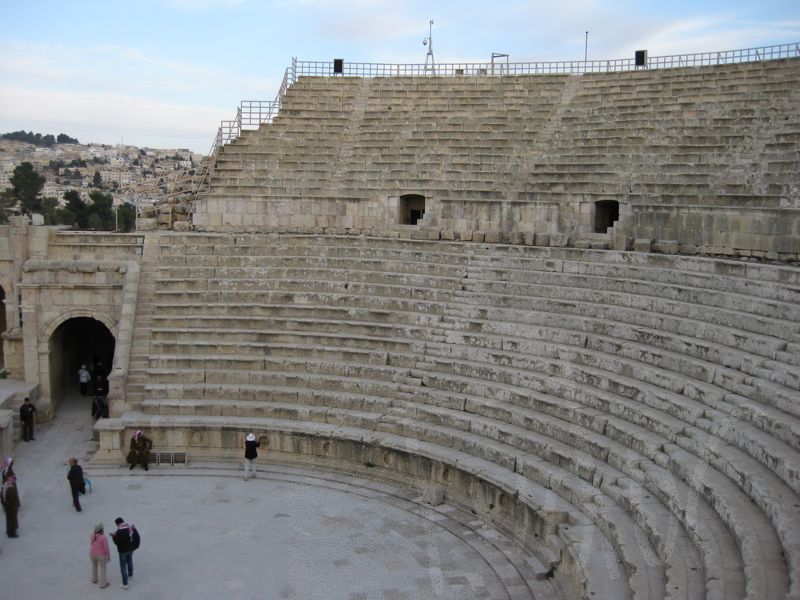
x=99 y=555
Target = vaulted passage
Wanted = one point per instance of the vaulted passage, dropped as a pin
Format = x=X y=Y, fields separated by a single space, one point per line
x=76 y=342
x=606 y=213
x=412 y=209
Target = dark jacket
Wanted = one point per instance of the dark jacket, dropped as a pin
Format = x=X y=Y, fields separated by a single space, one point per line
x=26 y=412
x=123 y=538
x=250 y=451
x=75 y=477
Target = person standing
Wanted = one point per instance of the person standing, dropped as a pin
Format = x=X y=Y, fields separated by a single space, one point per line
x=27 y=415
x=99 y=555
x=126 y=539
x=250 y=455
x=9 y=497
x=84 y=377
x=100 y=385
x=76 y=482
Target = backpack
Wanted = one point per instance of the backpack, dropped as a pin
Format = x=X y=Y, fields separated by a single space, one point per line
x=136 y=539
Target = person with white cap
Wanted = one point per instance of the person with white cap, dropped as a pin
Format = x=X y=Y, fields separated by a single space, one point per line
x=84 y=377
x=250 y=455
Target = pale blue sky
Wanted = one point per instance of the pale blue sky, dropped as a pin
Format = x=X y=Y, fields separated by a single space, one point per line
x=163 y=73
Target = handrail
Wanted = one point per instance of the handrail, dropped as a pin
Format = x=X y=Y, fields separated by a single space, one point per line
x=569 y=67
x=251 y=114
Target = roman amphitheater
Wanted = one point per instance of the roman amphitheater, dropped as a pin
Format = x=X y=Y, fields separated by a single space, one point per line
x=563 y=296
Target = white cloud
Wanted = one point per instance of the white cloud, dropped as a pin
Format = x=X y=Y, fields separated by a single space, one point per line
x=94 y=117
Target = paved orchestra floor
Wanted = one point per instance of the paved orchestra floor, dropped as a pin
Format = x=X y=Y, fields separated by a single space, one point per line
x=208 y=534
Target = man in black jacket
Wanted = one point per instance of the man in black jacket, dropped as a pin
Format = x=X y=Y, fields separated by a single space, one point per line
x=27 y=414
x=126 y=539
x=76 y=482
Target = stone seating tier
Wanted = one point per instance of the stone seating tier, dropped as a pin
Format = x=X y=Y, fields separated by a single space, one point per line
x=604 y=408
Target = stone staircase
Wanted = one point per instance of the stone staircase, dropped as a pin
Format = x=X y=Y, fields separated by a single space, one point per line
x=636 y=415
x=142 y=332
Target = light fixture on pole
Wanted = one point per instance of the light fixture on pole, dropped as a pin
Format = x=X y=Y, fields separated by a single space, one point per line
x=428 y=41
x=586 y=48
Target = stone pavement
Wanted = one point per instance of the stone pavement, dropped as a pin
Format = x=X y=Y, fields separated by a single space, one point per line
x=208 y=534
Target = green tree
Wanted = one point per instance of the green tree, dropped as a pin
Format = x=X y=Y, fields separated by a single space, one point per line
x=48 y=210
x=77 y=209
x=126 y=217
x=97 y=180
x=95 y=222
x=26 y=184
x=63 y=138
x=7 y=205
x=101 y=215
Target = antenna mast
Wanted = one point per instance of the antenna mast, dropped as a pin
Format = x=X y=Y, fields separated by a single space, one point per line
x=428 y=41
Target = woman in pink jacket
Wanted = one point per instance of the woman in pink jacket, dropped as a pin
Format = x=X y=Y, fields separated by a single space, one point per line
x=98 y=552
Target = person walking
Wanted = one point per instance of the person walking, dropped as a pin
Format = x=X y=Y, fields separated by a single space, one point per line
x=9 y=497
x=76 y=482
x=126 y=539
x=84 y=377
x=27 y=415
x=250 y=455
x=99 y=555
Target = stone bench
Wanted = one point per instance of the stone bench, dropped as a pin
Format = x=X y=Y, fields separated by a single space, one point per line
x=343 y=270
x=614 y=376
x=712 y=385
x=267 y=312
x=658 y=424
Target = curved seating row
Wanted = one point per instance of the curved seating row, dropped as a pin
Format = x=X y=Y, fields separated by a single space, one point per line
x=655 y=397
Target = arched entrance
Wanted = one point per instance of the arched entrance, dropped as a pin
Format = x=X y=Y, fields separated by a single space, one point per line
x=78 y=341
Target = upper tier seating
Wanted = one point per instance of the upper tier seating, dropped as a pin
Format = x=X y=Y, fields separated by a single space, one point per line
x=525 y=151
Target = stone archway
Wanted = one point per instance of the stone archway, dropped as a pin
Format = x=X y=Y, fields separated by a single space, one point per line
x=77 y=341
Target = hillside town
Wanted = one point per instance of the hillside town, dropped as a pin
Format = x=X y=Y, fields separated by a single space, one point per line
x=138 y=176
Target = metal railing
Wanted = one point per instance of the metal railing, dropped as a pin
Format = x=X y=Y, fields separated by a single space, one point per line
x=253 y=113
x=569 y=67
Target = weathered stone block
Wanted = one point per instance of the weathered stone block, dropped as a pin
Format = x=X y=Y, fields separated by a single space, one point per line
x=642 y=245
x=559 y=240
x=665 y=246
x=622 y=243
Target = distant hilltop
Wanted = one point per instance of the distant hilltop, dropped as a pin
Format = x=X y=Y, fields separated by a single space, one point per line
x=37 y=139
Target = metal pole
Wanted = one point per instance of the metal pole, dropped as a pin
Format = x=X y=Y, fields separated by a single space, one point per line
x=586 y=48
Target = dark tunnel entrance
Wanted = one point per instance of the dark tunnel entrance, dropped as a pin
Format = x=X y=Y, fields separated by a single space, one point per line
x=76 y=342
